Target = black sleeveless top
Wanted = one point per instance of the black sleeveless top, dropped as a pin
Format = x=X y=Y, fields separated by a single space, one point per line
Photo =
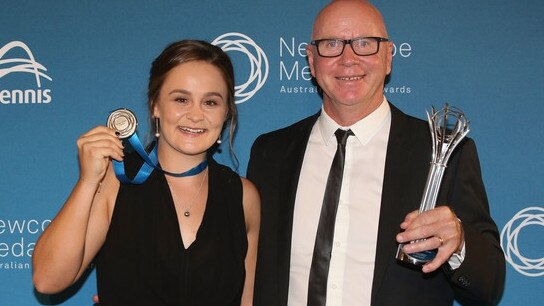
x=143 y=260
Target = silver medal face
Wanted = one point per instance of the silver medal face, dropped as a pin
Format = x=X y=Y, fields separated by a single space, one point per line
x=123 y=121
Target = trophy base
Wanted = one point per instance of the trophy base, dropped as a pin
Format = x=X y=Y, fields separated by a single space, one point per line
x=418 y=259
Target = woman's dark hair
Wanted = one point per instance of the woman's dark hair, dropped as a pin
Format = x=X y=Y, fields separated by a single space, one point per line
x=185 y=51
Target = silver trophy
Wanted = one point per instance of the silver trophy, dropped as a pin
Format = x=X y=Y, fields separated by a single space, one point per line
x=448 y=127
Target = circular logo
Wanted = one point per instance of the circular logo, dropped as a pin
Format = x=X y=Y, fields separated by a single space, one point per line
x=123 y=121
x=257 y=58
x=533 y=267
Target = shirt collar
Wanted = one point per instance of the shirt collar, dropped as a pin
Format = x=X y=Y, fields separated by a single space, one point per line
x=363 y=129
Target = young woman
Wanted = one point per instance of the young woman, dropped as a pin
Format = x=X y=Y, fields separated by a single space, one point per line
x=174 y=239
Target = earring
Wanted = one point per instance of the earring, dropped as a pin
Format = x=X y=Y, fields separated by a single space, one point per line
x=157 y=132
x=219 y=141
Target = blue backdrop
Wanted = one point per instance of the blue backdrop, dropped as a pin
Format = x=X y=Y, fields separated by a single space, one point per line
x=64 y=65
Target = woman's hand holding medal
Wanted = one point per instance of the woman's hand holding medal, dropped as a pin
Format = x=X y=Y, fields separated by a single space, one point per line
x=96 y=148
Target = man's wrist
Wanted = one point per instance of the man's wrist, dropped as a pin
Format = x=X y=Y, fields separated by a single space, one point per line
x=457 y=258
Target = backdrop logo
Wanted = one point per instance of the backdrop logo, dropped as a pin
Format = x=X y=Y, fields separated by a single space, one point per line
x=27 y=65
x=258 y=72
x=17 y=240
x=295 y=74
x=533 y=267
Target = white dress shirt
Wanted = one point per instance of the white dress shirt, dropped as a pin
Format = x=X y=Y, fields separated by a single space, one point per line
x=355 y=235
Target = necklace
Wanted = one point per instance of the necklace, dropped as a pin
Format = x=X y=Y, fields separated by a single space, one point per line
x=187 y=212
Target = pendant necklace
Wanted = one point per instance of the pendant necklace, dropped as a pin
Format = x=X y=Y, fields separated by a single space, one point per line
x=187 y=212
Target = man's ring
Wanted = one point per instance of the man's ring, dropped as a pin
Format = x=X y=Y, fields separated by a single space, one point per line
x=440 y=239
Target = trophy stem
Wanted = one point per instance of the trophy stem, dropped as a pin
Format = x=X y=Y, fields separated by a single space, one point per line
x=428 y=202
x=430 y=194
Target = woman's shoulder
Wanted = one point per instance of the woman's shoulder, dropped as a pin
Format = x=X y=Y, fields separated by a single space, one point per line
x=248 y=186
x=223 y=172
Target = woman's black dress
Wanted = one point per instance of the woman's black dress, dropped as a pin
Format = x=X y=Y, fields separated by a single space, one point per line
x=144 y=262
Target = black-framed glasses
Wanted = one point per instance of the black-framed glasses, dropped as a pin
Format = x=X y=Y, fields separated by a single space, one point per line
x=362 y=46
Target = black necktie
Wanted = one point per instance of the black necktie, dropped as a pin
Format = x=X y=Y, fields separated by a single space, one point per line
x=317 y=288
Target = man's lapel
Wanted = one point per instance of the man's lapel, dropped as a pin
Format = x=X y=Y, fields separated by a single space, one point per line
x=295 y=147
x=404 y=175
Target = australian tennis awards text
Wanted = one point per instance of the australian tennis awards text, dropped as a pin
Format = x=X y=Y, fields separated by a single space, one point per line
x=294 y=69
x=17 y=240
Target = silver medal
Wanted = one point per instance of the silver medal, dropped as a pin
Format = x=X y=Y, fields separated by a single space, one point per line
x=123 y=121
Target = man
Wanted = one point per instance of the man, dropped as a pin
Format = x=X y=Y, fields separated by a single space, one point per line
x=386 y=165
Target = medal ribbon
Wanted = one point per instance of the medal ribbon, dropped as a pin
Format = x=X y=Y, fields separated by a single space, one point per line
x=151 y=161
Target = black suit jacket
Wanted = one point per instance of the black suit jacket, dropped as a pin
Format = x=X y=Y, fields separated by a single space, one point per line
x=275 y=164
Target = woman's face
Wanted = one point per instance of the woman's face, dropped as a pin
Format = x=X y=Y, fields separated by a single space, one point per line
x=192 y=108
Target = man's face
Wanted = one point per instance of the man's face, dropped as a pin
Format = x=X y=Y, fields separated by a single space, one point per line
x=350 y=79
